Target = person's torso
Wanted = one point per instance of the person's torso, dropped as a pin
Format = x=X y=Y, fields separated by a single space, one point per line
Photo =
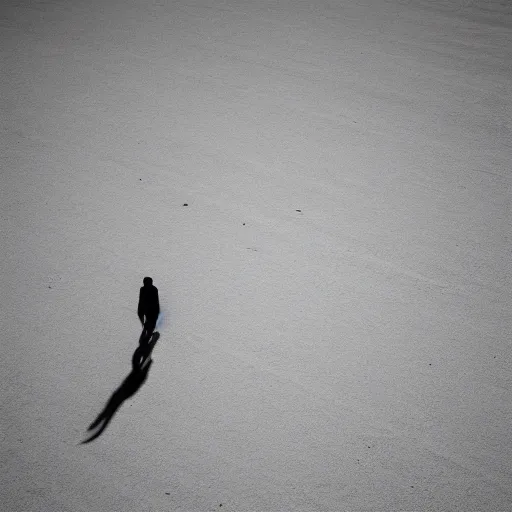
x=149 y=298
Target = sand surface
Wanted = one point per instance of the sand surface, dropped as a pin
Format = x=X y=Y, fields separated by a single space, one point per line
x=336 y=295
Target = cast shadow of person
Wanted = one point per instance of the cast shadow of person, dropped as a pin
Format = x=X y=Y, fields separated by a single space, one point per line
x=141 y=363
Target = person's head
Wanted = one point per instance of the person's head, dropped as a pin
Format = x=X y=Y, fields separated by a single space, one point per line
x=147 y=281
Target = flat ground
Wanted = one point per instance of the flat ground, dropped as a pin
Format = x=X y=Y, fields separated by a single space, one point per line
x=336 y=296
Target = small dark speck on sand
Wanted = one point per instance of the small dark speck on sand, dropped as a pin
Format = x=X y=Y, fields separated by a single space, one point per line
x=168 y=493
x=185 y=204
x=298 y=210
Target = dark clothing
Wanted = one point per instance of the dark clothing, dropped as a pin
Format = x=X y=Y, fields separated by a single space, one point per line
x=149 y=307
x=150 y=323
x=149 y=304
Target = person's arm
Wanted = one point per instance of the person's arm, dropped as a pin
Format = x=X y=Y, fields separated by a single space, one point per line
x=140 y=308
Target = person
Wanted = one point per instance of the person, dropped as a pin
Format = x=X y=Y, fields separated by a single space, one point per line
x=149 y=307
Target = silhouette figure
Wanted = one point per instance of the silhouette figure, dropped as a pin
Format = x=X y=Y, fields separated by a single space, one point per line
x=127 y=389
x=148 y=309
x=141 y=362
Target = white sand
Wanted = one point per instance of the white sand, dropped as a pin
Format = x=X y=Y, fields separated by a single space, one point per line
x=354 y=355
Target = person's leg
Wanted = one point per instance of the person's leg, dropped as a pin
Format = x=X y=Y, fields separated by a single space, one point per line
x=150 y=324
x=146 y=331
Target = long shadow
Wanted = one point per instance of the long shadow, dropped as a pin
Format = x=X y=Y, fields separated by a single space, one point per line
x=141 y=363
